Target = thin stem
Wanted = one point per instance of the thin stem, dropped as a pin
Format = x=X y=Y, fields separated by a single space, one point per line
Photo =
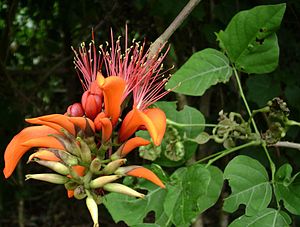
x=244 y=100
x=272 y=165
x=229 y=151
x=190 y=125
x=163 y=38
x=209 y=157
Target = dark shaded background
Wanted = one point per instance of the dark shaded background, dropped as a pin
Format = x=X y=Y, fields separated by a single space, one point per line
x=37 y=77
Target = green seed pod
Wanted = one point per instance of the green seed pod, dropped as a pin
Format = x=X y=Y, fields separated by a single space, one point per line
x=48 y=177
x=55 y=166
x=120 y=188
x=101 y=181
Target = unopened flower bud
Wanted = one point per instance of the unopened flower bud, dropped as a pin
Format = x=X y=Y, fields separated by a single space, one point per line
x=95 y=165
x=75 y=110
x=86 y=155
x=120 y=188
x=91 y=103
x=113 y=166
x=48 y=177
x=101 y=181
x=93 y=209
x=79 y=192
x=55 y=166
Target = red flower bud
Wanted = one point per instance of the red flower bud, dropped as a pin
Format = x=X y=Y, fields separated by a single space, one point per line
x=91 y=103
x=75 y=110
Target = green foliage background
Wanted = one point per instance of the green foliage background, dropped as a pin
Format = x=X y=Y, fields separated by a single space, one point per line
x=37 y=77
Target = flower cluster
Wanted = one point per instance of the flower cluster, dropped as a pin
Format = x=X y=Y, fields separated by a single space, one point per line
x=86 y=147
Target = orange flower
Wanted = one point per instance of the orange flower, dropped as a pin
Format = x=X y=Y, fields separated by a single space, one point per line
x=113 y=89
x=38 y=136
x=103 y=123
x=16 y=149
x=153 y=119
x=143 y=77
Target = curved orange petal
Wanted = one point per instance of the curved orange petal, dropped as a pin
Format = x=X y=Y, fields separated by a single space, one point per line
x=133 y=143
x=15 y=150
x=44 y=154
x=37 y=121
x=158 y=117
x=147 y=174
x=81 y=122
x=44 y=141
x=106 y=127
x=113 y=88
x=129 y=125
x=58 y=119
x=153 y=119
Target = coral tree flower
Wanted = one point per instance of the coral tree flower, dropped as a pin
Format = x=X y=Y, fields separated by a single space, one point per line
x=38 y=136
x=78 y=146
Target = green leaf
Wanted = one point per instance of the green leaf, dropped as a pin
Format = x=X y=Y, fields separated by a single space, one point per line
x=267 y=217
x=188 y=118
x=131 y=210
x=287 y=188
x=249 y=184
x=191 y=191
x=202 y=70
x=262 y=88
x=250 y=40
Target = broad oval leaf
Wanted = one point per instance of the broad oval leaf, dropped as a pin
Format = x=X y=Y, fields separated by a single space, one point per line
x=249 y=184
x=191 y=191
x=287 y=188
x=250 y=41
x=267 y=217
x=202 y=70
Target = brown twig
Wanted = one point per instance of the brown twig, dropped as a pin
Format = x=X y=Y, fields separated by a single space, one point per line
x=287 y=144
x=164 y=37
